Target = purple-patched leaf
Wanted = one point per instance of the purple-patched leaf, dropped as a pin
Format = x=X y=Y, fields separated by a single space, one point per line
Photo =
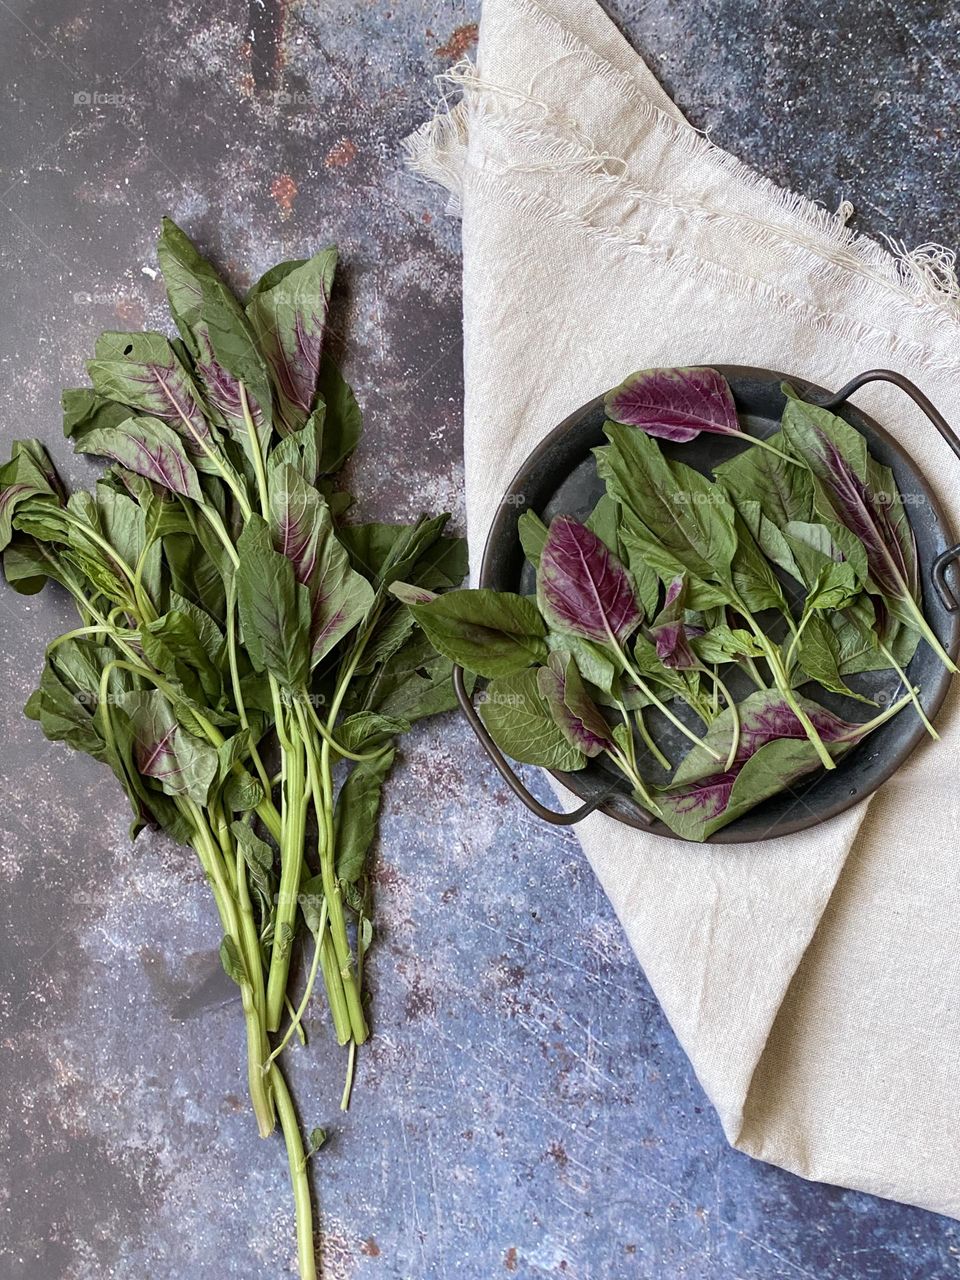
x=142 y=371
x=287 y=310
x=704 y=805
x=164 y=751
x=773 y=752
x=763 y=717
x=582 y=588
x=579 y=720
x=149 y=448
x=302 y=530
x=837 y=456
x=675 y=404
x=218 y=336
x=668 y=631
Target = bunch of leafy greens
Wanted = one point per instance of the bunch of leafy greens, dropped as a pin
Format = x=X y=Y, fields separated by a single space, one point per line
x=240 y=660
x=794 y=565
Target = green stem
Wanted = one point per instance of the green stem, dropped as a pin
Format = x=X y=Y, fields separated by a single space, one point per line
x=661 y=706
x=911 y=692
x=351 y=1071
x=237 y=690
x=333 y=982
x=225 y=471
x=211 y=861
x=734 y=713
x=308 y=990
x=797 y=633
x=630 y=773
x=294 y=818
x=321 y=784
x=925 y=630
x=327 y=736
x=782 y=682
x=861 y=730
x=297 y=1161
x=648 y=741
x=770 y=448
x=256 y=453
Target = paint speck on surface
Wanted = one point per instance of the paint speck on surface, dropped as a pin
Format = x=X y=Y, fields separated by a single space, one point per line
x=341 y=154
x=370 y=1248
x=461 y=40
x=510 y=1258
x=284 y=191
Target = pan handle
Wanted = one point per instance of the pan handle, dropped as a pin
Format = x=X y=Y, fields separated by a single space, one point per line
x=948 y=596
x=508 y=775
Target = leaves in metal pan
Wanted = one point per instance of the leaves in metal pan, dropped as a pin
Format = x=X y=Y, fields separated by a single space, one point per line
x=492 y=633
x=582 y=588
x=579 y=720
x=675 y=404
x=521 y=723
x=676 y=516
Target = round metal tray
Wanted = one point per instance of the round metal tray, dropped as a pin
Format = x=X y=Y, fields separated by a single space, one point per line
x=560 y=477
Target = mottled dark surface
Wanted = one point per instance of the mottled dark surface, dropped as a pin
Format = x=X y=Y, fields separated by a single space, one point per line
x=524 y=1108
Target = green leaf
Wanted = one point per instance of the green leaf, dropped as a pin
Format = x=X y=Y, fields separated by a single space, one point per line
x=142 y=371
x=311 y=902
x=315 y=1140
x=173 y=645
x=413 y=683
x=85 y=411
x=164 y=751
x=520 y=722
x=342 y=422
x=592 y=661
x=725 y=644
x=151 y=449
x=533 y=536
x=772 y=769
x=783 y=490
x=355 y=818
x=367 y=729
x=258 y=857
x=218 y=336
x=287 y=310
x=233 y=965
x=605 y=521
x=274 y=608
x=492 y=633
x=819 y=655
x=673 y=516
x=303 y=532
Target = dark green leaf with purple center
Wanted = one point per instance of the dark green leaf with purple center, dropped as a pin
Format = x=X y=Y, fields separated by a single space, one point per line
x=142 y=370
x=580 y=721
x=217 y=335
x=669 y=632
x=582 y=588
x=287 y=309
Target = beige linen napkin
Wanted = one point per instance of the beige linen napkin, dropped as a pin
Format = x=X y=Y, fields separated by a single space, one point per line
x=814 y=981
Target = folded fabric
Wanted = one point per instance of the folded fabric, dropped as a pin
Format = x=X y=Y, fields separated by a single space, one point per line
x=813 y=980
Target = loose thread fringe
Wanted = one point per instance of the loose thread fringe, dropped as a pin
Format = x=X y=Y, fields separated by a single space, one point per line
x=796 y=227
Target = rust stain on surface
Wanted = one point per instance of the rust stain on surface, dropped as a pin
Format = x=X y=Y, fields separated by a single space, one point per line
x=510 y=1258
x=461 y=40
x=341 y=154
x=284 y=191
x=370 y=1248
